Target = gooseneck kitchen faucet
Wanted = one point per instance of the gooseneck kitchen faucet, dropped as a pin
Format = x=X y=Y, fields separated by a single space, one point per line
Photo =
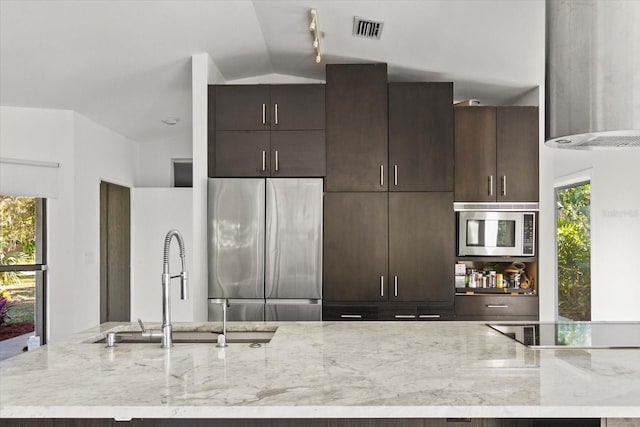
x=167 y=338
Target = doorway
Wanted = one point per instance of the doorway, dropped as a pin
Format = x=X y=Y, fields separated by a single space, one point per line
x=573 y=244
x=23 y=268
x=115 y=253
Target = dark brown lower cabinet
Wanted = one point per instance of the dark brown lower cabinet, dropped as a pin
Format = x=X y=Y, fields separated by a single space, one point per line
x=355 y=251
x=323 y=422
x=496 y=307
x=421 y=247
x=389 y=248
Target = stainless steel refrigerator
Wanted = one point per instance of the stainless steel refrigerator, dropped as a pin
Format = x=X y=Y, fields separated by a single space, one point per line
x=265 y=248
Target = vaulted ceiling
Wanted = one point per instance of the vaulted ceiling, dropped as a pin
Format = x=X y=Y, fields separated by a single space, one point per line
x=127 y=64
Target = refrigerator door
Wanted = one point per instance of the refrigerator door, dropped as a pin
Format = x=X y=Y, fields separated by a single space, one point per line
x=294 y=238
x=236 y=237
x=239 y=310
x=293 y=310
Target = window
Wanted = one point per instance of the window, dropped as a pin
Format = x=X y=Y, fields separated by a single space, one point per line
x=574 y=251
x=22 y=268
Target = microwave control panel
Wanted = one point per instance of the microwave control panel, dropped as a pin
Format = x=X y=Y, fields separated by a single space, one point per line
x=528 y=235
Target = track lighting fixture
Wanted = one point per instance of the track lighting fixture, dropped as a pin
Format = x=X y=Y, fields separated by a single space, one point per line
x=317 y=34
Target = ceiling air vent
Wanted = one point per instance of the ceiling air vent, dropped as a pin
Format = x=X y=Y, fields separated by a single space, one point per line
x=367 y=28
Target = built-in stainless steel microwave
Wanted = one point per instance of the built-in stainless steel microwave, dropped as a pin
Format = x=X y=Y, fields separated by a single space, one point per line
x=496 y=233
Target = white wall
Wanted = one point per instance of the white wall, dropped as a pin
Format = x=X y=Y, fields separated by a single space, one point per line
x=100 y=155
x=154 y=164
x=615 y=227
x=156 y=211
x=87 y=153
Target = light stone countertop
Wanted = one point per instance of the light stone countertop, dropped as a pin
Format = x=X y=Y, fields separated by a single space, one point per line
x=325 y=370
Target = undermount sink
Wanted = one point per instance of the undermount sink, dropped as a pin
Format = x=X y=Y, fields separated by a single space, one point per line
x=136 y=337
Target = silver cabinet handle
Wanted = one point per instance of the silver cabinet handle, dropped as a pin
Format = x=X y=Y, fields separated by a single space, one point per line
x=275 y=111
x=491 y=185
x=503 y=188
x=395 y=174
x=264 y=114
x=497 y=306
x=381 y=175
x=381 y=286
x=277 y=163
x=351 y=316
x=429 y=316
x=264 y=160
x=405 y=316
x=395 y=286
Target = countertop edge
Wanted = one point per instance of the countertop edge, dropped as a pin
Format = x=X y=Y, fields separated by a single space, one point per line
x=236 y=412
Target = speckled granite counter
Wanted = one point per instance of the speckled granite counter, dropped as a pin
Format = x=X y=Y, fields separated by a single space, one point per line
x=327 y=370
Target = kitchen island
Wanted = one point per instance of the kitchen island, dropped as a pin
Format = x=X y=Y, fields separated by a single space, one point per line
x=322 y=370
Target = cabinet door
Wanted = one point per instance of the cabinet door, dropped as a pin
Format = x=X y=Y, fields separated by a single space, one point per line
x=475 y=154
x=421 y=247
x=242 y=107
x=298 y=153
x=517 y=145
x=421 y=137
x=296 y=107
x=355 y=250
x=242 y=153
x=356 y=97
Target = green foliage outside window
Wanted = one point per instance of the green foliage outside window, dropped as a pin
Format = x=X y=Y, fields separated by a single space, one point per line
x=574 y=252
x=17 y=234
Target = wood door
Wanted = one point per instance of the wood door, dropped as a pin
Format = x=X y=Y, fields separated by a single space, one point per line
x=298 y=107
x=242 y=107
x=517 y=145
x=356 y=98
x=242 y=153
x=421 y=246
x=298 y=153
x=115 y=253
x=421 y=137
x=355 y=250
x=475 y=154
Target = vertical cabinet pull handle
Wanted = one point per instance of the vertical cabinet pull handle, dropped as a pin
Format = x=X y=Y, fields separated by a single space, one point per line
x=264 y=114
x=395 y=174
x=277 y=163
x=381 y=175
x=504 y=185
x=275 y=111
x=381 y=286
x=395 y=286
x=264 y=160
x=491 y=185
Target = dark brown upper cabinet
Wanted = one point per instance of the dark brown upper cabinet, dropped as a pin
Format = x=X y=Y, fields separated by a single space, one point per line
x=517 y=154
x=496 y=154
x=270 y=107
x=356 y=109
x=266 y=130
x=421 y=136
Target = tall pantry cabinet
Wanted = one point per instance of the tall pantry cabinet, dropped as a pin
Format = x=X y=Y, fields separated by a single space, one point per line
x=388 y=228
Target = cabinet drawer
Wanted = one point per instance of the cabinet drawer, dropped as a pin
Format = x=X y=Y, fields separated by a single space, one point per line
x=397 y=313
x=349 y=312
x=495 y=305
x=435 y=313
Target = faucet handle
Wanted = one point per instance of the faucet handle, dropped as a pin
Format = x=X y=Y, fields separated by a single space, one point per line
x=184 y=286
x=141 y=325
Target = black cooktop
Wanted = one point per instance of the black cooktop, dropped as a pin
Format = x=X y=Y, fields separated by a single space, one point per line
x=569 y=335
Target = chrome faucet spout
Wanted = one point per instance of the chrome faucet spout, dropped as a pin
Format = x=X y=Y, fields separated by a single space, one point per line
x=167 y=337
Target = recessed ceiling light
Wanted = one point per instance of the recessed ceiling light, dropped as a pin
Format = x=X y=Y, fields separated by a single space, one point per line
x=170 y=121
